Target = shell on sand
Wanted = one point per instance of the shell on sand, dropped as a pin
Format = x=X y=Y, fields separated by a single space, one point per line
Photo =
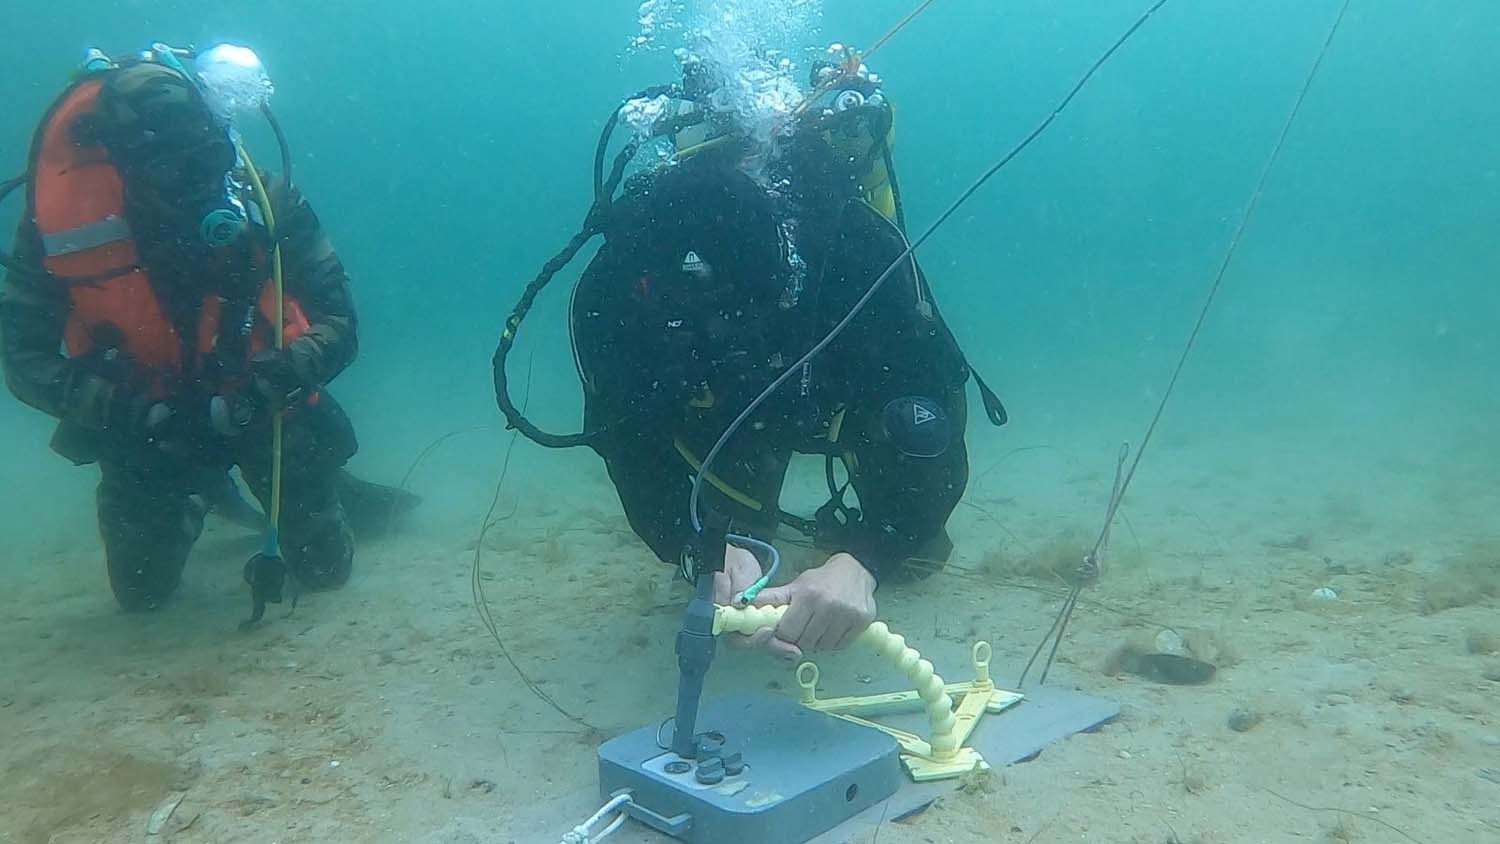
x=163 y=812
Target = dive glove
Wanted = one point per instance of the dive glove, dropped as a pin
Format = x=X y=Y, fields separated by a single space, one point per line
x=273 y=386
x=274 y=379
x=134 y=418
x=139 y=423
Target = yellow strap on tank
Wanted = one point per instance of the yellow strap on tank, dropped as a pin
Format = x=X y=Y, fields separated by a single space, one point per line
x=835 y=425
x=730 y=492
x=835 y=428
x=883 y=197
x=878 y=192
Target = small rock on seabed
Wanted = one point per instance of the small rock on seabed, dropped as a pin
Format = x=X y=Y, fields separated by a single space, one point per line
x=1243 y=720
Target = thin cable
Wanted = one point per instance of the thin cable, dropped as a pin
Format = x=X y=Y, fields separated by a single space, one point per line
x=895 y=30
x=852 y=66
x=1086 y=574
x=1234 y=245
x=764 y=580
x=433 y=446
x=900 y=260
x=1062 y=627
x=476 y=582
x=1090 y=567
x=286 y=151
x=422 y=457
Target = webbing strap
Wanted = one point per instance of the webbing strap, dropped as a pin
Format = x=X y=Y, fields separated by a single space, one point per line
x=111 y=229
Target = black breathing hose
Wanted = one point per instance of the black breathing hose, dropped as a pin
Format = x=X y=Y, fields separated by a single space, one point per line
x=7 y=260
x=513 y=416
x=286 y=152
x=593 y=224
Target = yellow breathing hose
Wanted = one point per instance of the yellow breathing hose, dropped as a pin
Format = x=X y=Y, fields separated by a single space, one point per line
x=263 y=199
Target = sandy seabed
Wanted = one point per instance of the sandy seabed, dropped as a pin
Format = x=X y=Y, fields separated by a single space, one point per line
x=385 y=712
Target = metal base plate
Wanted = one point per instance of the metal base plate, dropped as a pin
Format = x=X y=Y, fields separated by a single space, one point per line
x=805 y=773
x=1048 y=714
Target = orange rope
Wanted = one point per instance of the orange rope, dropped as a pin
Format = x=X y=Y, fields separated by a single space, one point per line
x=851 y=65
x=874 y=48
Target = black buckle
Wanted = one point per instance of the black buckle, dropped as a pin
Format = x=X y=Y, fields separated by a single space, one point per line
x=704 y=553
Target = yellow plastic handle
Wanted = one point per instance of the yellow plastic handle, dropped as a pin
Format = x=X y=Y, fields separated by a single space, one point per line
x=891 y=646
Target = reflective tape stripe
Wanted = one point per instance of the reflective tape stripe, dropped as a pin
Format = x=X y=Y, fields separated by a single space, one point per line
x=108 y=230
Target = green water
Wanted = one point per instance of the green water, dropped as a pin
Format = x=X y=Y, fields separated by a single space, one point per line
x=1344 y=385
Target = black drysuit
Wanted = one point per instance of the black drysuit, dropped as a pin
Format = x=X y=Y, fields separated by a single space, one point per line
x=149 y=515
x=697 y=301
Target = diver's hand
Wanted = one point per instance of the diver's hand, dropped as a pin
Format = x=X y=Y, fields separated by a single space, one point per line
x=274 y=379
x=827 y=607
x=741 y=569
x=176 y=430
x=134 y=419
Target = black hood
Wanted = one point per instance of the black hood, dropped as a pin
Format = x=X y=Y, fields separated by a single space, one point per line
x=701 y=223
x=167 y=144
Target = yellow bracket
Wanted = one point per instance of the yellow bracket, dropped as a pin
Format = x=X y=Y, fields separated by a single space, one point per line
x=945 y=753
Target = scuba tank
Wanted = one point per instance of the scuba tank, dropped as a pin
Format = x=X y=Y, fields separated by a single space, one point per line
x=229 y=79
x=856 y=123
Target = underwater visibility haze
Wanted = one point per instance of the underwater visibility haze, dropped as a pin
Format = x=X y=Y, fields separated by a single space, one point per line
x=1312 y=529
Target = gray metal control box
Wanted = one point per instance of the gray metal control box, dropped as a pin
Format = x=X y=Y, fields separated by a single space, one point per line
x=804 y=773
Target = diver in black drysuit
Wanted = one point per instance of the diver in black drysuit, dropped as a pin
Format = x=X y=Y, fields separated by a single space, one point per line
x=707 y=287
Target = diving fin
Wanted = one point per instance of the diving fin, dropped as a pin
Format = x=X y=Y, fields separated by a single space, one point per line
x=266 y=575
x=373 y=509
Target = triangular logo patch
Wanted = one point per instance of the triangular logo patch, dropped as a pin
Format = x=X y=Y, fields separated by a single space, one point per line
x=691 y=263
x=921 y=415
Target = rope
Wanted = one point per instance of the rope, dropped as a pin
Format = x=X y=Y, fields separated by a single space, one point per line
x=894 y=31
x=582 y=833
x=1234 y=246
x=1123 y=476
